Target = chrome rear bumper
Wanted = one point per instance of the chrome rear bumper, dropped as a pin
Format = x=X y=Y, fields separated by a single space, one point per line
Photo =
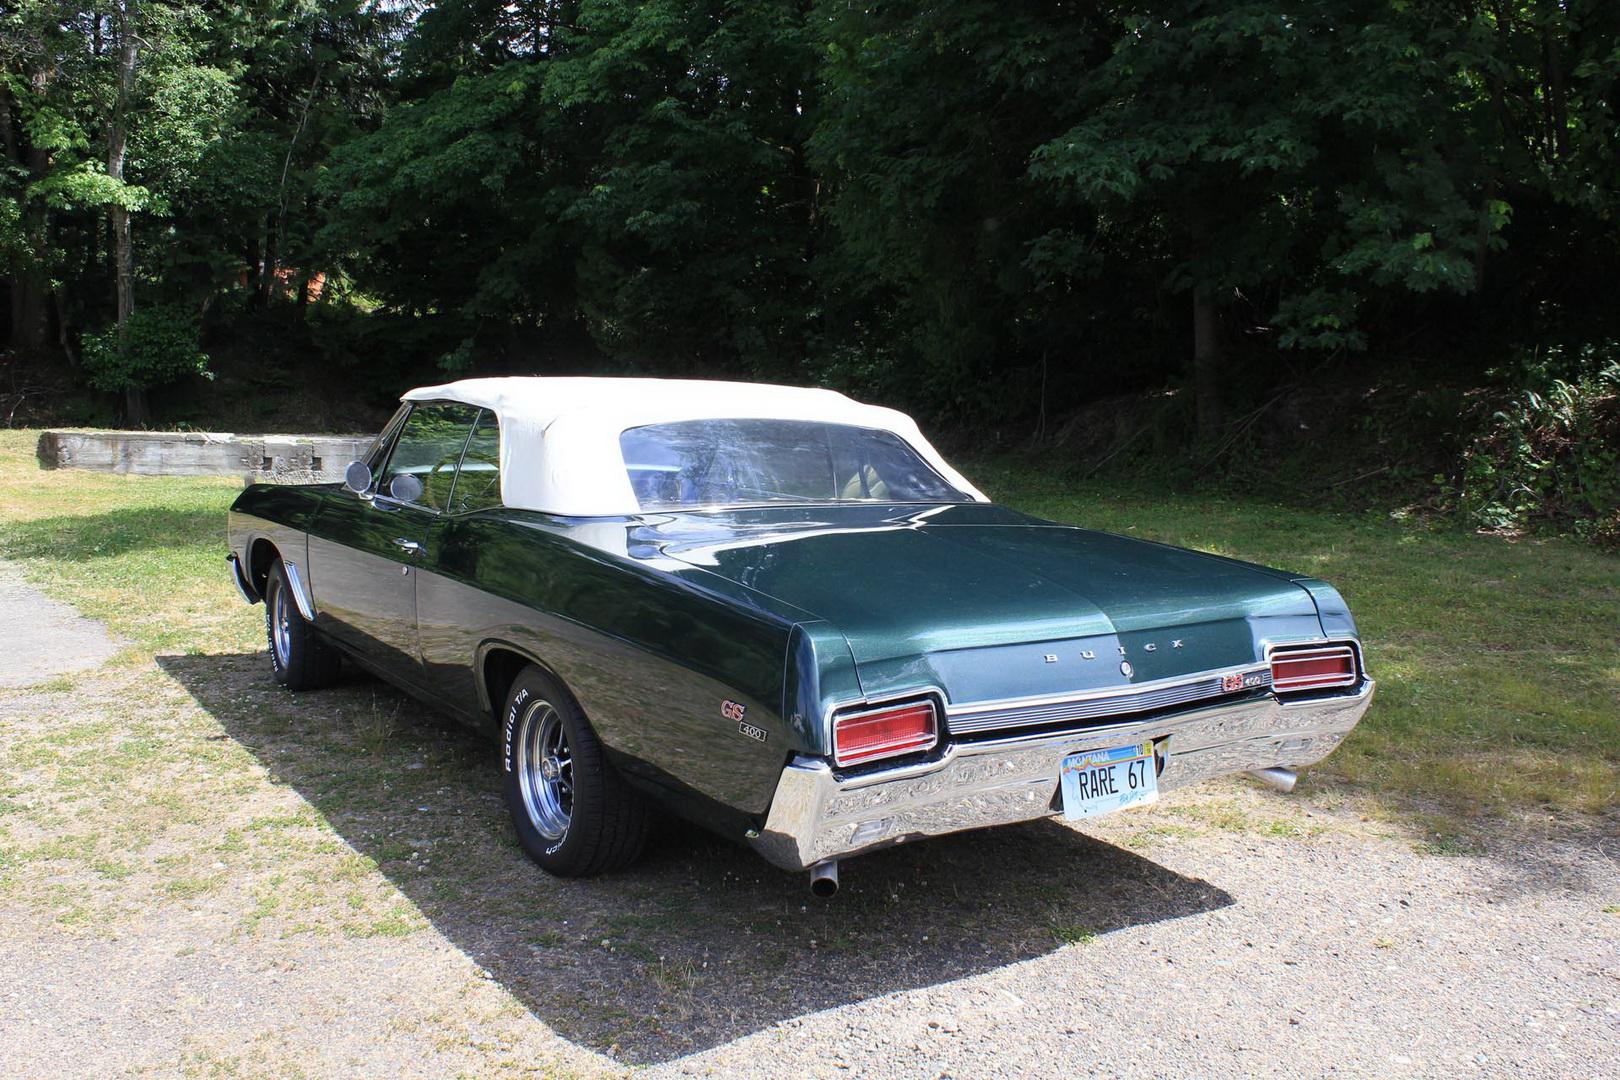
x=818 y=815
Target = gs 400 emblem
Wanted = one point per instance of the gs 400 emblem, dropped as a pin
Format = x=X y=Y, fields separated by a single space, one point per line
x=1240 y=681
x=732 y=710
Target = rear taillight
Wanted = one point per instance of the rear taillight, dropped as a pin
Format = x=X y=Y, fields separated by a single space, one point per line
x=884 y=732
x=1313 y=667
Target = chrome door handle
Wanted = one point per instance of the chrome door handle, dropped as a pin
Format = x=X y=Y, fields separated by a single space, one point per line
x=411 y=547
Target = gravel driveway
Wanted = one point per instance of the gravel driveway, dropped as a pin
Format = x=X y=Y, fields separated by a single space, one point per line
x=202 y=875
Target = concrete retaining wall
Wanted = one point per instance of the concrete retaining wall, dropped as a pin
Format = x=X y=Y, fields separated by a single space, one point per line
x=290 y=459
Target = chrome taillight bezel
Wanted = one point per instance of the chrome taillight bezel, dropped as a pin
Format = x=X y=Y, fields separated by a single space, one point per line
x=1284 y=684
x=899 y=749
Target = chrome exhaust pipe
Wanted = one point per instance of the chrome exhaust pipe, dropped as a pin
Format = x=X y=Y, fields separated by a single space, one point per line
x=824 y=879
x=1277 y=777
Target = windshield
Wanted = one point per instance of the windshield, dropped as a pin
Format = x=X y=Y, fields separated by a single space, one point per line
x=743 y=462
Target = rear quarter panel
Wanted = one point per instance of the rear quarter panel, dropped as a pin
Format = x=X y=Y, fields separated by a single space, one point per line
x=660 y=663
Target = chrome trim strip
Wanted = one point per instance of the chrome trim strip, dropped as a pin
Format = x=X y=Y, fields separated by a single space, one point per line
x=1083 y=695
x=239 y=580
x=306 y=606
x=818 y=815
x=1143 y=697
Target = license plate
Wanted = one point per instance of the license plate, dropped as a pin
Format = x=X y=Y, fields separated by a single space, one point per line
x=1096 y=782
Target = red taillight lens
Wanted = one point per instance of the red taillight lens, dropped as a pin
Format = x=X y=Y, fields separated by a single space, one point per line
x=880 y=733
x=1312 y=668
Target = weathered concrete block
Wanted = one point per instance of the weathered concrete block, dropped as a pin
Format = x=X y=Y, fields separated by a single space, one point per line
x=291 y=459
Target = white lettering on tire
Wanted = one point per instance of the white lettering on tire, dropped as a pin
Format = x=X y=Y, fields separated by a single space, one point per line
x=509 y=729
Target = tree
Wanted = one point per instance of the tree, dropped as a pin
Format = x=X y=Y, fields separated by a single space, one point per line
x=688 y=184
x=929 y=115
x=1297 y=155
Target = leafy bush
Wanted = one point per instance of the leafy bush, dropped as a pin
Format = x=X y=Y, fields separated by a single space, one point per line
x=160 y=345
x=1551 y=454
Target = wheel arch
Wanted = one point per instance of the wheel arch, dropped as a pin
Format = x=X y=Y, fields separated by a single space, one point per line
x=262 y=554
x=498 y=664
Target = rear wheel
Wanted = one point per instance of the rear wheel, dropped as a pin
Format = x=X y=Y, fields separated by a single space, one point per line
x=299 y=659
x=574 y=814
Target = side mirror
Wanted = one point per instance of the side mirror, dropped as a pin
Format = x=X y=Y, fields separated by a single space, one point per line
x=405 y=487
x=357 y=477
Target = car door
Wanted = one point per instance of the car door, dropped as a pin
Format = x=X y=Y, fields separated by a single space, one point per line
x=366 y=548
x=452 y=609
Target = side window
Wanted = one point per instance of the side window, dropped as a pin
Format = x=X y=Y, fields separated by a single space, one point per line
x=384 y=442
x=478 y=484
x=429 y=447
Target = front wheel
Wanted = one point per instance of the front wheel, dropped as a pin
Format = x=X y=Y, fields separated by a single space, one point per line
x=299 y=659
x=574 y=814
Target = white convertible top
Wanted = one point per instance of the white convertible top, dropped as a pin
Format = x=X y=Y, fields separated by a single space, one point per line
x=560 y=436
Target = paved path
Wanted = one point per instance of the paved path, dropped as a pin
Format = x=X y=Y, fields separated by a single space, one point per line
x=41 y=638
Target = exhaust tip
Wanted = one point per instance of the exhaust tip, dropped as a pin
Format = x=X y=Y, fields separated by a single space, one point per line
x=824 y=879
x=1279 y=778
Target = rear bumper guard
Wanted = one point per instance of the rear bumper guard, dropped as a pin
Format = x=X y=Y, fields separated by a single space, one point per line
x=818 y=815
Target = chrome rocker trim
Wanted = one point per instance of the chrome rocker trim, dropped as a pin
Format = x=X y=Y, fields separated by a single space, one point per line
x=818 y=815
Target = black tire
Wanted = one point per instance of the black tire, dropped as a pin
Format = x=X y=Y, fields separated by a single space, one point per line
x=300 y=660
x=576 y=817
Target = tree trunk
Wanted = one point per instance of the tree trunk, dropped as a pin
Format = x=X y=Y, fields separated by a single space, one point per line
x=123 y=269
x=117 y=143
x=8 y=135
x=269 y=281
x=30 y=289
x=30 y=325
x=136 y=413
x=1557 y=107
x=64 y=330
x=1207 y=366
x=135 y=410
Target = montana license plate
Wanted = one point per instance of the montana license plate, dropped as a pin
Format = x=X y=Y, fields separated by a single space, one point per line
x=1096 y=782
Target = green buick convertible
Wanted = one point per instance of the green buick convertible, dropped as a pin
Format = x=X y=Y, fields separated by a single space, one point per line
x=781 y=614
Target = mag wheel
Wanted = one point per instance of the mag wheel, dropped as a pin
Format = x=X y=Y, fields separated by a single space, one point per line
x=574 y=814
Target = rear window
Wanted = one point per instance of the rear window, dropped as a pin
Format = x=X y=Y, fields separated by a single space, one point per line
x=749 y=462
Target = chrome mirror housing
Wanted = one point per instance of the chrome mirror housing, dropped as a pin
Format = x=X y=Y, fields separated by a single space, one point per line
x=357 y=477
x=405 y=487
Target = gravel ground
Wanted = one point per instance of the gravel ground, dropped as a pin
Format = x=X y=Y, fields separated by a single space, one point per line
x=1342 y=955
x=202 y=875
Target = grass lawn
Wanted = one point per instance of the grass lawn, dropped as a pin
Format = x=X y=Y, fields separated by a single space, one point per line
x=1498 y=661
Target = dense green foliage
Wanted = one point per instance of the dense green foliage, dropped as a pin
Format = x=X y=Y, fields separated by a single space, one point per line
x=1552 y=451
x=156 y=345
x=988 y=213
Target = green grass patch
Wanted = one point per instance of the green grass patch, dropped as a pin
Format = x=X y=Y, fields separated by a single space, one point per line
x=143 y=554
x=1073 y=935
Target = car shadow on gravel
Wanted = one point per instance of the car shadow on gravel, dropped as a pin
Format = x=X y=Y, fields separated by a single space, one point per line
x=701 y=942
